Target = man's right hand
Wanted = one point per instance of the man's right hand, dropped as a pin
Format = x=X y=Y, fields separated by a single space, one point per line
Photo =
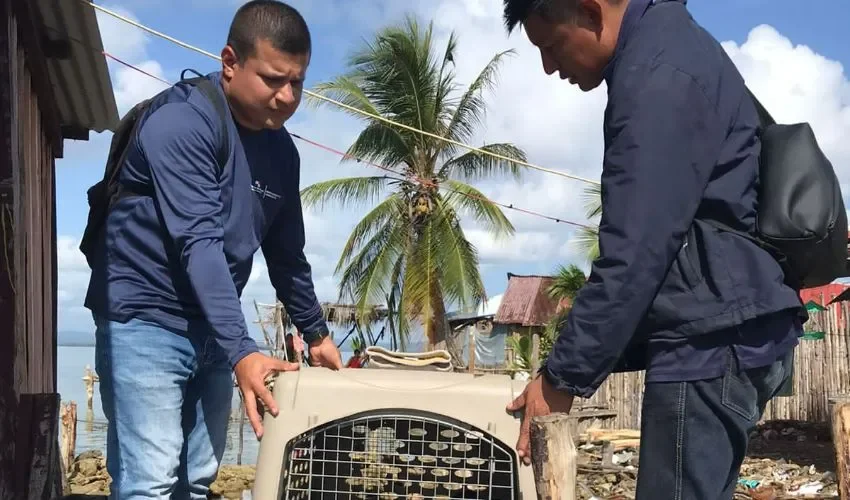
x=251 y=372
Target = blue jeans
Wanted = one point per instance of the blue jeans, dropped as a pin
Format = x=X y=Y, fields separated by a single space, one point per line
x=166 y=396
x=694 y=435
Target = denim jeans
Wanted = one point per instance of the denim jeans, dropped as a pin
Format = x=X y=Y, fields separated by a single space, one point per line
x=694 y=435
x=166 y=396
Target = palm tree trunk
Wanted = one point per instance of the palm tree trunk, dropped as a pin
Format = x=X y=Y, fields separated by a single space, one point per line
x=439 y=325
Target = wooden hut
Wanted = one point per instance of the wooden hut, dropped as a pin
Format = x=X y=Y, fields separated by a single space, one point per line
x=55 y=85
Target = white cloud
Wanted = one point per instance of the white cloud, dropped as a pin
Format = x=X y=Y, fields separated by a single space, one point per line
x=557 y=125
x=119 y=38
x=523 y=246
x=130 y=86
x=796 y=84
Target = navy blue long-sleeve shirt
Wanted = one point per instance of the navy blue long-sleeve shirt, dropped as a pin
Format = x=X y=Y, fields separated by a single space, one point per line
x=183 y=255
x=670 y=292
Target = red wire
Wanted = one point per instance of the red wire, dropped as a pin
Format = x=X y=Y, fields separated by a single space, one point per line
x=418 y=179
x=140 y=70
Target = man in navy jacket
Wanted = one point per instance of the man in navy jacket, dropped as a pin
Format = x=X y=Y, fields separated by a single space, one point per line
x=169 y=271
x=706 y=313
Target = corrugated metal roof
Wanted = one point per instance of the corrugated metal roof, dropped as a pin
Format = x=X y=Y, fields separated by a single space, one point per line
x=80 y=83
x=526 y=302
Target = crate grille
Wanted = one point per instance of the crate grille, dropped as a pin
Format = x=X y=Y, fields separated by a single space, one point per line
x=398 y=455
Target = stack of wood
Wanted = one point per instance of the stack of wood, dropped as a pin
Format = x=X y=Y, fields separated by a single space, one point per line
x=612 y=441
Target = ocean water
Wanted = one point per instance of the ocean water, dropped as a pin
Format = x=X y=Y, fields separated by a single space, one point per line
x=92 y=426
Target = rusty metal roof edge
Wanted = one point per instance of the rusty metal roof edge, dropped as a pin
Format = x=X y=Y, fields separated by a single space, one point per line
x=84 y=78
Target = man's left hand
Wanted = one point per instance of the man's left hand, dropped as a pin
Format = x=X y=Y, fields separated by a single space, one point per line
x=538 y=399
x=323 y=352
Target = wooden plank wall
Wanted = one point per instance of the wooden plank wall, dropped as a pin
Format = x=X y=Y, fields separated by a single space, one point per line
x=821 y=369
x=28 y=400
x=36 y=248
x=9 y=382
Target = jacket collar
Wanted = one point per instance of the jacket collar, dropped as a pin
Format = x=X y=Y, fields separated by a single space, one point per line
x=634 y=12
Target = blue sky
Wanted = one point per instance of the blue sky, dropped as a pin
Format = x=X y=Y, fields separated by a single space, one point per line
x=793 y=57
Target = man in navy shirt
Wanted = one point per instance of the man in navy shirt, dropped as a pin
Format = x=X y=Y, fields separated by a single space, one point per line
x=706 y=313
x=169 y=270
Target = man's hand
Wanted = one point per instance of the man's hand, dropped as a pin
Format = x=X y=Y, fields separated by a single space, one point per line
x=539 y=398
x=323 y=352
x=251 y=372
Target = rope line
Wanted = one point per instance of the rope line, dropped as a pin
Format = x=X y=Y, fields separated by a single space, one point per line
x=351 y=108
x=425 y=182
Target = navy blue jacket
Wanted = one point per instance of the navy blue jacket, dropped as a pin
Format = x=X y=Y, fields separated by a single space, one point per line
x=181 y=257
x=681 y=147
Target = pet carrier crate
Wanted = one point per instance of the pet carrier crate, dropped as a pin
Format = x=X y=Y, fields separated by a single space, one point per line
x=385 y=433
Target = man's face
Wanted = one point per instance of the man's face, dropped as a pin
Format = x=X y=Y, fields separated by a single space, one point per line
x=265 y=88
x=579 y=49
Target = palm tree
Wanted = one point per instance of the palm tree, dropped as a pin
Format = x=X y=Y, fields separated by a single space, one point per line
x=567 y=282
x=588 y=237
x=410 y=249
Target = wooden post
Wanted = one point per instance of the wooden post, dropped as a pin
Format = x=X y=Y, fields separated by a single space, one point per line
x=535 y=354
x=471 y=349
x=241 y=429
x=841 y=438
x=69 y=434
x=89 y=378
x=553 y=457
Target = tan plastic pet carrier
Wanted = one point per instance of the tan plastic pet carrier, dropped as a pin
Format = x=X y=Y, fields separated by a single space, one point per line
x=391 y=433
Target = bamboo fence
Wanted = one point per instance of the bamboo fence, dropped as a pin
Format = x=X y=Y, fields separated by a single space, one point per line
x=821 y=375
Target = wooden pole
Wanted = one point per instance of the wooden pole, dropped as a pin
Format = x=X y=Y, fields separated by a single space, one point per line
x=68 y=417
x=69 y=433
x=89 y=378
x=841 y=438
x=241 y=430
x=471 y=349
x=553 y=457
x=535 y=354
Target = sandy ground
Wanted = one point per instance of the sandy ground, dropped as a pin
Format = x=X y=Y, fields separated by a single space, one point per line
x=786 y=460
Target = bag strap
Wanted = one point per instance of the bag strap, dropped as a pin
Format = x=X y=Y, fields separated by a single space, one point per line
x=208 y=88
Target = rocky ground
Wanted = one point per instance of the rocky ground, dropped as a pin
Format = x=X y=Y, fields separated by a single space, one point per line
x=88 y=476
x=786 y=460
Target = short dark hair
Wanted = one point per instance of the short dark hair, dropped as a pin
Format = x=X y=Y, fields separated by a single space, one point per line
x=272 y=20
x=517 y=11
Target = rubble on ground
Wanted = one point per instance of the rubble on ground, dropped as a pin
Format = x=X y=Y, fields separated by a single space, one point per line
x=88 y=476
x=786 y=461
x=773 y=469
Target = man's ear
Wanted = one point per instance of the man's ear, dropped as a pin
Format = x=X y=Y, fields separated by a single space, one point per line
x=590 y=14
x=229 y=61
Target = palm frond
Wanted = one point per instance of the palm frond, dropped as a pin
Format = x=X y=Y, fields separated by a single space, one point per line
x=593 y=201
x=471 y=108
x=386 y=213
x=568 y=281
x=475 y=165
x=421 y=280
x=587 y=240
x=468 y=200
x=382 y=144
x=362 y=272
x=347 y=91
x=458 y=260
x=346 y=191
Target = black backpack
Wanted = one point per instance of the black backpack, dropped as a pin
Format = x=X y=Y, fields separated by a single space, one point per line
x=103 y=195
x=801 y=219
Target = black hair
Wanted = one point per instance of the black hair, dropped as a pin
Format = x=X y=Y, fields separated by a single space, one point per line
x=279 y=23
x=517 y=11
